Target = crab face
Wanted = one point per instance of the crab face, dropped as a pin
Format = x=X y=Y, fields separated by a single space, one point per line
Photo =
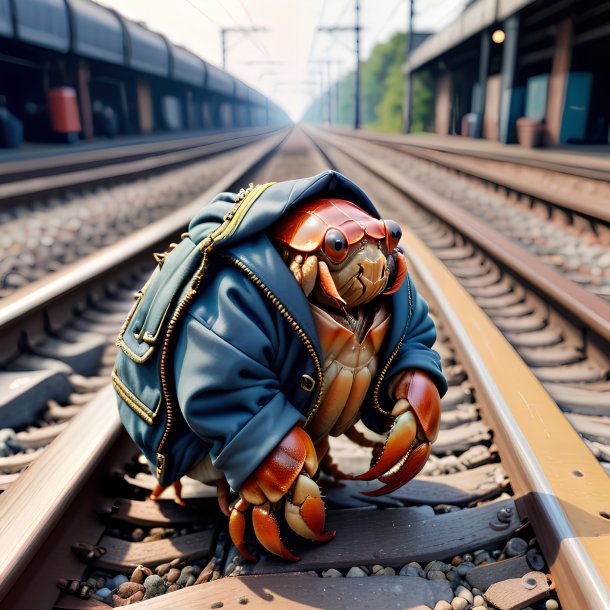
x=357 y=255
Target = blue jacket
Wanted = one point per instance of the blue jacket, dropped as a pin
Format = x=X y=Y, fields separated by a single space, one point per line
x=221 y=354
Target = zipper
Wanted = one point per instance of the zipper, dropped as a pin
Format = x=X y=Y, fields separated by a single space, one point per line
x=294 y=324
x=226 y=229
x=376 y=404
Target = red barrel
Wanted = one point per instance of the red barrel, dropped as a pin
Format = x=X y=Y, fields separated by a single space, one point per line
x=63 y=110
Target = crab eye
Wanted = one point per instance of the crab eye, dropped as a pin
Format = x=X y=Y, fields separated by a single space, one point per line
x=393 y=234
x=335 y=245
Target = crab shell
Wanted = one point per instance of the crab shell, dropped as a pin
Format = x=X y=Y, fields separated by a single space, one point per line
x=327 y=229
x=304 y=228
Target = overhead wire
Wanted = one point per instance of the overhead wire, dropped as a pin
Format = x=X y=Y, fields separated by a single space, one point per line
x=200 y=10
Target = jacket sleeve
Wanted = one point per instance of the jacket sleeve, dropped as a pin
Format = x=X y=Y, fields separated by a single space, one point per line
x=227 y=389
x=416 y=351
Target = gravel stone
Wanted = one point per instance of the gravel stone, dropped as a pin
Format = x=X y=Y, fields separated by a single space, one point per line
x=127 y=589
x=140 y=574
x=436 y=565
x=173 y=588
x=163 y=569
x=464 y=593
x=355 y=572
x=552 y=604
x=515 y=547
x=172 y=576
x=464 y=568
x=443 y=605
x=436 y=575
x=154 y=586
x=411 y=571
x=331 y=573
x=103 y=592
x=137 y=535
x=479 y=600
x=459 y=603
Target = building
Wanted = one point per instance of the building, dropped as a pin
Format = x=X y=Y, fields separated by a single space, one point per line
x=501 y=60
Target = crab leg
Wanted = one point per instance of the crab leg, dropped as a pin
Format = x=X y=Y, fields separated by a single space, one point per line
x=237 y=528
x=306 y=514
x=413 y=464
x=267 y=532
x=397 y=445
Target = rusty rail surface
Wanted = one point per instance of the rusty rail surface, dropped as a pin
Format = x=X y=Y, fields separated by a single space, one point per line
x=561 y=487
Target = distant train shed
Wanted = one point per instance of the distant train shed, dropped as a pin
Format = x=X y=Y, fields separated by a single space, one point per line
x=533 y=71
x=69 y=65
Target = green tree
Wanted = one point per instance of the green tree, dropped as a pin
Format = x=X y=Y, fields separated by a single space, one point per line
x=382 y=93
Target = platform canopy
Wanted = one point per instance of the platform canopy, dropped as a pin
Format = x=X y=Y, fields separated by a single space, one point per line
x=147 y=51
x=97 y=32
x=187 y=67
x=44 y=23
x=6 y=23
x=218 y=81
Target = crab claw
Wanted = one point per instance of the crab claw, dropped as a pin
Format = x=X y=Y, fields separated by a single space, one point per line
x=411 y=466
x=397 y=445
x=306 y=513
x=267 y=532
x=237 y=527
x=415 y=427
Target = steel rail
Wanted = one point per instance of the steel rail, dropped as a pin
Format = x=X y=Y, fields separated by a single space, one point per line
x=116 y=151
x=465 y=162
x=30 y=509
x=562 y=488
x=12 y=193
x=565 y=162
x=592 y=311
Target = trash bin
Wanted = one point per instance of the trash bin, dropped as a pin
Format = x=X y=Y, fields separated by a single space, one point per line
x=63 y=111
x=530 y=132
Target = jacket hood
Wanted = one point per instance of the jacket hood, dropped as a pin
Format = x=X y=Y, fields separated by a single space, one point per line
x=274 y=202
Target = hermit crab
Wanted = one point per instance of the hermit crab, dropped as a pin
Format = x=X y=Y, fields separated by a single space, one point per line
x=346 y=262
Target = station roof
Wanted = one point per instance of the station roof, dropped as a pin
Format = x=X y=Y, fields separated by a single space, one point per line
x=148 y=51
x=43 y=23
x=187 y=67
x=479 y=15
x=219 y=81
x=6 y=25
x=97 y=32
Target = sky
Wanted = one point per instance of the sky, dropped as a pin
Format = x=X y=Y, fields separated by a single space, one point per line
x=290 y=61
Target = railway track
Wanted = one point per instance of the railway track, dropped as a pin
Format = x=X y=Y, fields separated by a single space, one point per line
x=44 y=237
x=25 y=180
x=503 y=501
x=561 y=218
x=548 y=320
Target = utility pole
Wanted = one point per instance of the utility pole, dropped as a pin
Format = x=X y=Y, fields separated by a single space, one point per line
x=408 y=101
x=225 y=31
x=328 y=63
x=356 y=29
x=357 y=94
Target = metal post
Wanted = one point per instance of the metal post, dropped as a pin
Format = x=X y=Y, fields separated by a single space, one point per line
x=509 y=64
x=223 y=32
x=357 y=92
x=408 y=100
